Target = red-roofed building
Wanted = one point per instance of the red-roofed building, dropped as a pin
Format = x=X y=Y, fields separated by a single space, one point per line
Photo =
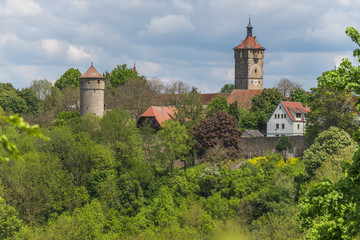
x=249 y=63
x=242 y=96
x=289 y=118
x=156 y=116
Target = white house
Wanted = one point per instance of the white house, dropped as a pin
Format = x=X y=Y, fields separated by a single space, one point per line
x=289 y=118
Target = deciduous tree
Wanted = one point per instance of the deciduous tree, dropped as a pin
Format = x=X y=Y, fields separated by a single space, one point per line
x=119 y=76
x=217 y=104
x=286 y=87
x=218 y=129
x=69 y=79
x=329 y=108
x=227 y=88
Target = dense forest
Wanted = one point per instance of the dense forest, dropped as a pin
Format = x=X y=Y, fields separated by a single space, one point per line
x=87 y=177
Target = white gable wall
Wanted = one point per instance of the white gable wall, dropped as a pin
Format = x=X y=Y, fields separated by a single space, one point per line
x=279 y=123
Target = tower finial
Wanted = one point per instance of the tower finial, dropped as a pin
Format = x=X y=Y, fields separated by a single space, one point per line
x=249 y=28
x=92 y=64
x=134 y=69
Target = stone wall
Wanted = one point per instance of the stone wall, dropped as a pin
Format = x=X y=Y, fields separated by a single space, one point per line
x=258 y=146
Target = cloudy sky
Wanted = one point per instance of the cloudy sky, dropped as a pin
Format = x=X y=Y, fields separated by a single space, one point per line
x=187 y=40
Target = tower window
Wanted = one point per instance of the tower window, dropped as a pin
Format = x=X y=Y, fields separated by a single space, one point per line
x=98 y=81
x=89 y=82
x=255 y=70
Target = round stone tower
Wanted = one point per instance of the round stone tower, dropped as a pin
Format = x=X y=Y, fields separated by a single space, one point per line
x=249 y=63
x=92 y=87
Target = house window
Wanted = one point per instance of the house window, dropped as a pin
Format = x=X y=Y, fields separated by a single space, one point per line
x=275 y=115
x=284 y=115
x=282 y=126
x=277 y=125
x=298 y=126
x=279 y=107
x=298 y=115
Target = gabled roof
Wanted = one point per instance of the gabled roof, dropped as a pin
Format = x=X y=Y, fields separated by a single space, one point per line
x=161 y=114
x=251 y=133
x=249 y=42
x=207 y=97
x=92 y=73
x=295 y=107
x=243 y=97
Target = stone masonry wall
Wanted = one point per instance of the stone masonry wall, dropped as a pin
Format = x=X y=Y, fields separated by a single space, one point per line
x=258 y=146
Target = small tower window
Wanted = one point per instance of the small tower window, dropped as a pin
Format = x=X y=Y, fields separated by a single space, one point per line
x=98 y=81
x=255 y=70
x=88 y=82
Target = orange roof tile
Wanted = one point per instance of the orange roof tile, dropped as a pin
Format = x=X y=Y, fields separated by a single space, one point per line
x=249 y=42
x=161 y=114
x=92 y=73
x=243 y=97
x=207 y=97
x=295 y=107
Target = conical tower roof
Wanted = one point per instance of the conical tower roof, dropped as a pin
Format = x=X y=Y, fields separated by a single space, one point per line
x=92 y=73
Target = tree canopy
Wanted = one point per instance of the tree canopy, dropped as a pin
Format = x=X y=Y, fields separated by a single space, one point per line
x=120 y=75
x=69 y=79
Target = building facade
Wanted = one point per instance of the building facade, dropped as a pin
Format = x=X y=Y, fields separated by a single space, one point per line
x=249 y=63
x=289 y=118
x=92 y=88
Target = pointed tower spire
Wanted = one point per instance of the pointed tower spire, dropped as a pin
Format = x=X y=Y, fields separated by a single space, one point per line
x=134 y=68
x=249 y=28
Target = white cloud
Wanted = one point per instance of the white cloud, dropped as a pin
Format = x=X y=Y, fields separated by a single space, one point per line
x=223 y=74
x=76 y=54
x=149 y=69
x=80 y=5
x=52 y=46
x=169 y=24
x=20 y=8
x=183 y=5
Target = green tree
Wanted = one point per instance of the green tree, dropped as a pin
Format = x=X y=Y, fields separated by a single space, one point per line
x=218 y=129
x=283 y=145
x=9 y=221
x=227 y=88
x=177 y=141
x=266 y=101
x=329 y=108
x=31 y=100
x=10 y=101
x=234 y=110
x=41 y=87
x=189 y=109
x=327 y=144
x=217 y=104
x=69 y=78
x=300 y=95
x=120 y=75
x=119 y=131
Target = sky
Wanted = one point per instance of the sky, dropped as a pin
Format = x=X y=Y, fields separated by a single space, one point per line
x=174 y=40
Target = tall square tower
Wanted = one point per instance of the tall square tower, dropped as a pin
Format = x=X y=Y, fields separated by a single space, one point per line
x=249 y=63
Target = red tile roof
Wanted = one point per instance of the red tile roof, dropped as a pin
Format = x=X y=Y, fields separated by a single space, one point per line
x=207 y=97
x=249 y=42
x=243 y=97
x=92 y=73
x=295 y=107
x=161 y=114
